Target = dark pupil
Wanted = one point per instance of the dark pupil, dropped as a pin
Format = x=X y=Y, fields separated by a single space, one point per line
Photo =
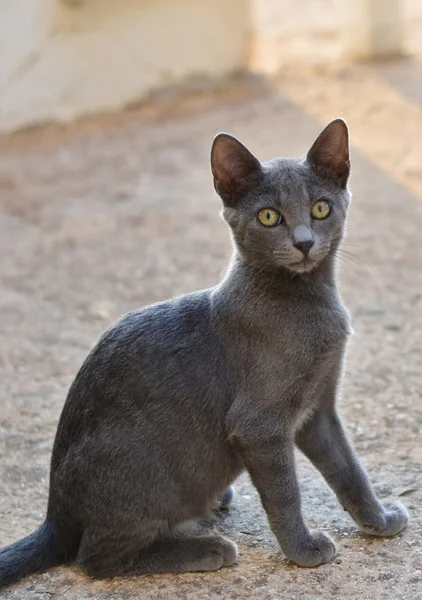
x=320 y=207
x=268 y=216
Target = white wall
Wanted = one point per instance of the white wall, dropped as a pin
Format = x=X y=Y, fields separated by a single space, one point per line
x=60 y=59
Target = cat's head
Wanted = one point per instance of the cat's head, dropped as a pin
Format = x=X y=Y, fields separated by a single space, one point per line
x=286 y=212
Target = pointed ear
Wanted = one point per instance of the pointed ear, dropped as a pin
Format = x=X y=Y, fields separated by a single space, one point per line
x=330 y=152
x=231 y=165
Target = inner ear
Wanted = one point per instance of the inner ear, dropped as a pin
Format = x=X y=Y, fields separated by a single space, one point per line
x=231 y=164
x=330 y=151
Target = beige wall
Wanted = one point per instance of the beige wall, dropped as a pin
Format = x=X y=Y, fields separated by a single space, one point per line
x=60 y=59
x=373 y=28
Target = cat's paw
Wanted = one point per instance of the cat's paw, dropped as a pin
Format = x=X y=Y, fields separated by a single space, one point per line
x=315 y=550
x=227 y=498
x=224 y=549
x=390 y=521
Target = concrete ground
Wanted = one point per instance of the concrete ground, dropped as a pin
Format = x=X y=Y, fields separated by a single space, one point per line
x=117 y=212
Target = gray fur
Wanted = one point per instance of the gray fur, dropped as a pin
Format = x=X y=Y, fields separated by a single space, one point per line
x=178 y=398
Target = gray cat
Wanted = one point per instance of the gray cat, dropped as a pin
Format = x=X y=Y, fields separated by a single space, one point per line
x=178 y=398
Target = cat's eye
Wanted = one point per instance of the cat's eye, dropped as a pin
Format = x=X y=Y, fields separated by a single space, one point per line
x=320 y=209
x=269 y=217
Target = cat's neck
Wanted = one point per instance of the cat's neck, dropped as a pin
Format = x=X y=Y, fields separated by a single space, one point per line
x=243 y=277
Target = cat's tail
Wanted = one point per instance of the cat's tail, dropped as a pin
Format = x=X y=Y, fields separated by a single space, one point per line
x=34 y=553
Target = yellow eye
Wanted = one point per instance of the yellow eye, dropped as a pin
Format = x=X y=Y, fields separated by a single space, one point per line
x=320 y=209
x=269 y=217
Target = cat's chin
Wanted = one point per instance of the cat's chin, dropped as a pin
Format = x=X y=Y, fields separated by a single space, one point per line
x=304 y=266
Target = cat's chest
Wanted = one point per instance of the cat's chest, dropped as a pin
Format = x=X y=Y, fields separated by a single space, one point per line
x=300 y=327
x=298 y=340
x=289 y=369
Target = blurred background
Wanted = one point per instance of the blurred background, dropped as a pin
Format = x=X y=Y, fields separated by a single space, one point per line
x=60 y=59
x=107 y=113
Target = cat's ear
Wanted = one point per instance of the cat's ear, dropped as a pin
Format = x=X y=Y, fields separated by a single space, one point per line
x=231 y=164
x=330 y=152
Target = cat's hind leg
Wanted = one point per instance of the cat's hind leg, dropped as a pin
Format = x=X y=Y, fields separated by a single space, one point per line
x=112 y=556
x=180 y=554
x=107 y=553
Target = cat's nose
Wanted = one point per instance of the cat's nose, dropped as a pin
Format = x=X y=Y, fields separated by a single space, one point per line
x=304 y=246
x=303 y=239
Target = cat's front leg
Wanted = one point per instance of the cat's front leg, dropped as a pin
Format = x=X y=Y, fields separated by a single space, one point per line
x=324 y=442
x=267 y=453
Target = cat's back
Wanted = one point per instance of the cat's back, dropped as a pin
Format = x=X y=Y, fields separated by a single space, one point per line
x=167 y=327
x=162 y=356
x=155 y=340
